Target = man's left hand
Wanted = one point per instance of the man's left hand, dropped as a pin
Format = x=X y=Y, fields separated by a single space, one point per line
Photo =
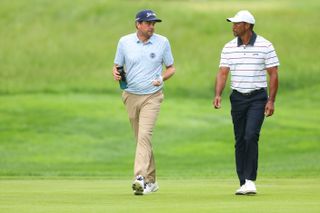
x=269 y=109
x=157 y=82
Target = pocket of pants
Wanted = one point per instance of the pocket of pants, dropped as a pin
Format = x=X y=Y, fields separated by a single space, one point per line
x=158 y=96
x=161 y=97
x=231 y=95
x=124 y=97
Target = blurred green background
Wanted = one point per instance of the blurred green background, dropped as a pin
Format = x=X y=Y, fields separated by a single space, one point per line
x=61 y=112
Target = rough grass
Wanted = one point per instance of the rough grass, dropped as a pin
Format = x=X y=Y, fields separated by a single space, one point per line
x=63 y=46
x=90 y=135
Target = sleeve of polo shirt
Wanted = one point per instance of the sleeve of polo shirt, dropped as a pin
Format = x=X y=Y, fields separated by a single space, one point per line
x=119 y=57
x=224 y=60
x=167 y=56
x=271 y=59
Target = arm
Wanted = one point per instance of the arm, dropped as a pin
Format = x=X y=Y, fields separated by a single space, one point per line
x=118 y=61
x=170 y=70
x=167 y=59
x=273 y=88
x=115 y=73
x=221 y=79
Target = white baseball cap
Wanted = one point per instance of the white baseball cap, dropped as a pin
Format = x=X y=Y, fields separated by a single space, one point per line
x=242 y=16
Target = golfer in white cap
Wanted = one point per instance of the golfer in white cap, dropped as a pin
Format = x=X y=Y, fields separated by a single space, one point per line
x=249 y=57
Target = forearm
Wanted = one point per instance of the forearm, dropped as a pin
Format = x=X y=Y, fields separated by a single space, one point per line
x=273 y=85
x=168 y=73
x=221 y=79
x=220 y=84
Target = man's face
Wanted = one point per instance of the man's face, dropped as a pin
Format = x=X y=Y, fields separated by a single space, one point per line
x=240 y=28
x=146 y=28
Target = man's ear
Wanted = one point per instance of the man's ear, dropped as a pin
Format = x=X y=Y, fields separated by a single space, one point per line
x=247 y=26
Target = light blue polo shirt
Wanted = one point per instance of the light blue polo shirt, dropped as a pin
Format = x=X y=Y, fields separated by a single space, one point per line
x=143 y=61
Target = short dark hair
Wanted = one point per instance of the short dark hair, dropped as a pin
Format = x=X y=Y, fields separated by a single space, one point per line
x=251 y=26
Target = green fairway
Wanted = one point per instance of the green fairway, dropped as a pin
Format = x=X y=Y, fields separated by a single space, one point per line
x=203 y=195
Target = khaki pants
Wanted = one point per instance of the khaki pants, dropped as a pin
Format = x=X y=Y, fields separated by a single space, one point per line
x=143 y=111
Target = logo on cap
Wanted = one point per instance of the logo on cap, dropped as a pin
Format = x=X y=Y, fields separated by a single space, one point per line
x=147 y=15
x=151 y=14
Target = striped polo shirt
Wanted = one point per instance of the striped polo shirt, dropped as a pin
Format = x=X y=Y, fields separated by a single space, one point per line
x=143 y=61
x=248 y=63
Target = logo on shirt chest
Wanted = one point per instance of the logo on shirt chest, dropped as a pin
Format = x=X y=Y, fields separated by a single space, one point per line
x=152 y=55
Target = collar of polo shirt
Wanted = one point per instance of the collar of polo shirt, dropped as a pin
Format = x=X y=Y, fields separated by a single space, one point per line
x=251 y=42
x=151 y=40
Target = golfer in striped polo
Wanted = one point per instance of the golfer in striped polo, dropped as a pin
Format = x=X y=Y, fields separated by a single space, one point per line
x=249 y=57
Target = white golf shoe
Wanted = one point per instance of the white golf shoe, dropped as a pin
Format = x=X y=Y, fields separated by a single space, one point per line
x=150 y=187
x=241 y=190
x=250 y=188
x=138 y=185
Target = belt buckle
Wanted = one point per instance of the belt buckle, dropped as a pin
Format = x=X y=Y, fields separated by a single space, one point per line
x=252 y=92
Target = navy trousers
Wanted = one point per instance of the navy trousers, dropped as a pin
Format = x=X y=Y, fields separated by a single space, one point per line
x=247 y=111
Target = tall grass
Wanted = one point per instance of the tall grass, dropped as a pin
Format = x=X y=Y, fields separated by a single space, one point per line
x=69 y=46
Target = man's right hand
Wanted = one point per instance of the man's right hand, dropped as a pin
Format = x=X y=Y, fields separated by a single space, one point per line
x=217 y=102
x=116 y=74
x=220 y=83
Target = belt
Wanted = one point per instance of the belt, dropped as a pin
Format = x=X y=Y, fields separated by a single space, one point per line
x=253 y=92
